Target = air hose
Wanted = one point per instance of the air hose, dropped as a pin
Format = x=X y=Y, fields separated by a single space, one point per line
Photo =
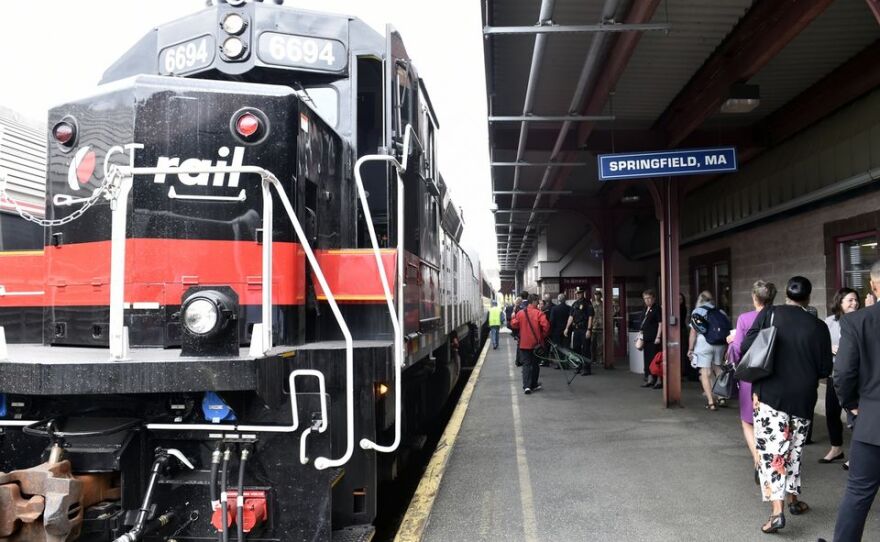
x=239 y=516
x=224 y=503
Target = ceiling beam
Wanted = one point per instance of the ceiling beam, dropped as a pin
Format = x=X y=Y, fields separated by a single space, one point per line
x=852 y=79
x=610 y=141
x=641 y=12
x=506 y=138
x=759 y=36
x=551 y=118
x=540 y=164
x=561 y=29
x=874 y=5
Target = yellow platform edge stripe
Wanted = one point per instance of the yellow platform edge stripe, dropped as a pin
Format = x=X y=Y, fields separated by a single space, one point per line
x=412 y=528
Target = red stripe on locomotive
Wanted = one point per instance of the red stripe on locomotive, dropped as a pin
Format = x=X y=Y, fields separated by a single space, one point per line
x=161 y=270
x=22 y=271
x=353 y=276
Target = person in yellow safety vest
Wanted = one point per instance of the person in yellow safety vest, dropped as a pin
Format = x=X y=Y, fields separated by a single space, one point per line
x=496 y=318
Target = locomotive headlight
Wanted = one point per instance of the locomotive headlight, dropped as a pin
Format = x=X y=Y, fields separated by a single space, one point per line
x=233 y=23
x=209 y=321
x=233 y=47
x=200 y=316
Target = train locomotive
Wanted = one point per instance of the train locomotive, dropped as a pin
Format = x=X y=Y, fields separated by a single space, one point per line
x=249 y=298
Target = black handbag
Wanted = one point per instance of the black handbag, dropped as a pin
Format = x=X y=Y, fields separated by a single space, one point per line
x=757 y=363
x=724 y=385
x=539 y=350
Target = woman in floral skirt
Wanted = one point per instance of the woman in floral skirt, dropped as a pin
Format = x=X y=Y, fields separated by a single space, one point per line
x=784 y=400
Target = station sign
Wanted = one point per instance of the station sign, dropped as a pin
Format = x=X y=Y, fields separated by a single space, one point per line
x=667 y=163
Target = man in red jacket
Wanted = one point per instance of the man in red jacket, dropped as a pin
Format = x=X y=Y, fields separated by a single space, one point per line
x=533 y=328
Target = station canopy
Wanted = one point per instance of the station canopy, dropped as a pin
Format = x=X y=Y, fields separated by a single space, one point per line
x=568 y=80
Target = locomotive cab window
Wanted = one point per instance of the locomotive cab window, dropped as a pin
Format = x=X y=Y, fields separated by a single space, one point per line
x=370 y=138
x=404 y=99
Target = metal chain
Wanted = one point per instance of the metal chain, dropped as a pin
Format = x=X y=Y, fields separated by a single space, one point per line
x=105 y=188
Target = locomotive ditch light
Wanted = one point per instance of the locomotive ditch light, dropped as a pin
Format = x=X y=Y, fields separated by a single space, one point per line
x=65 y=133
x=209 y=321
x=233 y=24
x=233 y=48
x=249 y=125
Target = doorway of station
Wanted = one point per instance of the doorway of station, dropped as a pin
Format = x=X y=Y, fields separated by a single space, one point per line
x=711 y=272
x=568 y=286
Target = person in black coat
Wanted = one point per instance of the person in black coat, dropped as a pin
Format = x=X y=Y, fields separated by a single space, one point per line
x=558 y=319
x=784 y=401
x=857 y=383
x=651 y=335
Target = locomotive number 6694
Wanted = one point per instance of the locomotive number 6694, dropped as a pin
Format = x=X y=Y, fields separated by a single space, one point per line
x=246 y=301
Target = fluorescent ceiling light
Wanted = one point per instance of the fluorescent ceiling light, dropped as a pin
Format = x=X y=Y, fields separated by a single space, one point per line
x=742 y=99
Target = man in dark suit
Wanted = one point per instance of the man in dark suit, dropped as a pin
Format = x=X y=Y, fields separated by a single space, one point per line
x=857 y=382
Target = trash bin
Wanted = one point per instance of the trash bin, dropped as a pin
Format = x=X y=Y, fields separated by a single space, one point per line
x=636 y=365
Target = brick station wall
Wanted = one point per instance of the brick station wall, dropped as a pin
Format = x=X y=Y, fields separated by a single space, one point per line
x=778 y=250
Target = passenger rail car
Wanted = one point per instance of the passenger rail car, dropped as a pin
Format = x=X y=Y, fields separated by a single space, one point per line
x=250 y=299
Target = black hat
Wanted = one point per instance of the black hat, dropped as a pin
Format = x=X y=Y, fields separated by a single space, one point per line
x=579 y=290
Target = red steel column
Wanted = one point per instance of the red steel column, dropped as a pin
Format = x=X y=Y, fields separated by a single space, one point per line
x=669 y=275
x=608 y=248
x=665 y=195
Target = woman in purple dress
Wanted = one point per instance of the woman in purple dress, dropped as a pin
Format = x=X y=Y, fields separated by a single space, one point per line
x=763 y=293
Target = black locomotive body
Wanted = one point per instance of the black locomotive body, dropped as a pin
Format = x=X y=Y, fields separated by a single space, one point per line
x=196 y=421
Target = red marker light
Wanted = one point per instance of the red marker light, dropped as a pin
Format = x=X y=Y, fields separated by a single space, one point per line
x=63 y=133
x=247 y=125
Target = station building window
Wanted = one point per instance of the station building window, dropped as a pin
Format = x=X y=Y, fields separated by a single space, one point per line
x=712 y=272
x=855 y=256
x=850 y=251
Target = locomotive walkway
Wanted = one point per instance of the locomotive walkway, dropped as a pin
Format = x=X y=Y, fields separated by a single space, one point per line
x=603 y=460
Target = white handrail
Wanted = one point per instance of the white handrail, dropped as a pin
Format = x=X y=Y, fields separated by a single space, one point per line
x=266 y=329
x=322 y=389
x=262 y=428
x=119 y=210
x=393 y=313
x=322 y=463
x=268 y=178
x=395 y=316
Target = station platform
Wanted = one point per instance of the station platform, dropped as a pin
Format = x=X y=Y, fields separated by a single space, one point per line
x=601 y=459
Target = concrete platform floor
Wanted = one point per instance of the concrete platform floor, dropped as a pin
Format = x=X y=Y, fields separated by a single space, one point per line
x=603 y=460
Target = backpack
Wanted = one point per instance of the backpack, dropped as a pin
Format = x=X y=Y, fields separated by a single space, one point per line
x=714 y=326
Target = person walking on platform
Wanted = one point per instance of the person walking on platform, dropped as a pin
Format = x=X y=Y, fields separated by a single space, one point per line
x=651 y=335
x=496 y=318
x=783 y=401
x=710 y=327
x=763 y=294
x=579 y=321
x=597 y=342
x=547 y=305
x=846 y=300
x=687 y=370
x=533 y=330
x=559 y=319
x=519 y=304
x=857 y=384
